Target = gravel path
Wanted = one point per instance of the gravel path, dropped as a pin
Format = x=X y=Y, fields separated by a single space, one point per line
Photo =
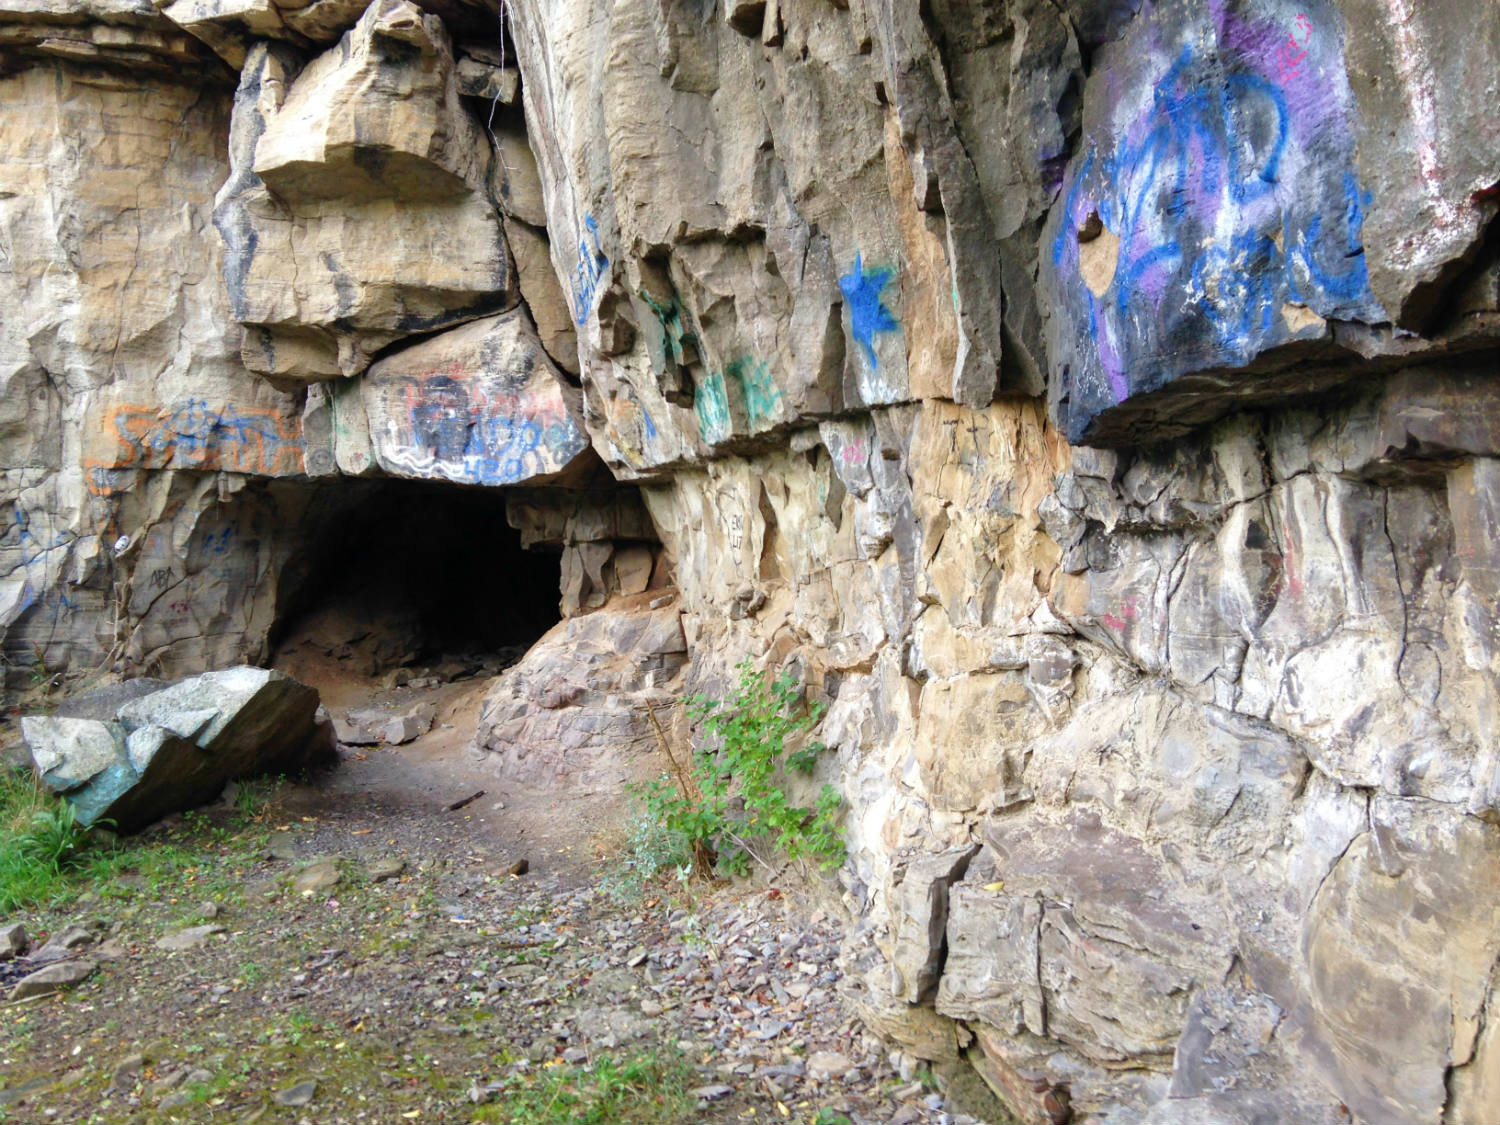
x=358 y=953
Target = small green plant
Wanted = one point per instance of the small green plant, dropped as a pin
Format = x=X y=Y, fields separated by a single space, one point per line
x=733 y=803
x=651 y=847
x=54 y=836
x=646 y=1089
x=252 y=795
x=827 y=1116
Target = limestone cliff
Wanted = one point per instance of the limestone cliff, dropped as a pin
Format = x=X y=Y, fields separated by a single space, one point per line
x=1095 y=402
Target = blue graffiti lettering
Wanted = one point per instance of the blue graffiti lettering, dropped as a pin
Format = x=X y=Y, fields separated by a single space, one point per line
x=590 y=269
x=1237 y=287
x=1206 y=241
x=1309 y=247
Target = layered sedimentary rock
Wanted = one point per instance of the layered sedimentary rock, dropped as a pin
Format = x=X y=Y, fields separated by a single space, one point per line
x=356 y=212
x=1094 y=404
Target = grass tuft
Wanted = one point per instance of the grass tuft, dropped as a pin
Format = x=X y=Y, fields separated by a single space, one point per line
x=46 y=858
x=644 y=1089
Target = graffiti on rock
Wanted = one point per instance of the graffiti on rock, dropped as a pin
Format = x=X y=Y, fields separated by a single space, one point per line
x=1293 y=51
x=194 y=435
x=679 y=343
x=867 y=314
x=711 y=405
x=628 y=425
x=589 y=270
x=758 y=394
x=1211 y=219
x=762 y=396
x=442 y=424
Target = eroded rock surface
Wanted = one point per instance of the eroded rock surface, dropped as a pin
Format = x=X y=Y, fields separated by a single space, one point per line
x=356 y=211
x=1094 y=404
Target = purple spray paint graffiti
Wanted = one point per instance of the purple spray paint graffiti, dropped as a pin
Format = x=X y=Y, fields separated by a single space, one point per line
x=1213 y=211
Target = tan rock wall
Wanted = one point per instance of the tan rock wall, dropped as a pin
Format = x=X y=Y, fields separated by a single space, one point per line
x=118 y=357
x=1171 y=768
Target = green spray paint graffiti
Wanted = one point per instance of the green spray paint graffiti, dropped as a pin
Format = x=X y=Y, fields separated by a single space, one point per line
x=711 y=405
x=760 y=392
x=678 y=342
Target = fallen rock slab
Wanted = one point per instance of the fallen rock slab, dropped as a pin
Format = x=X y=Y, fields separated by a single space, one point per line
x=361 y=728
x=408 y=727
x=53 y=978
x=176 y=747
x=191 y=938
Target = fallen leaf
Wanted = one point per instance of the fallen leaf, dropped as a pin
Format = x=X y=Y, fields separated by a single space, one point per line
x=781 y=1109
x=998 y=885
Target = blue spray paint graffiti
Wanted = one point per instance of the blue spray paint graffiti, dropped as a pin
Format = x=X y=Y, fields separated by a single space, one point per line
x=444 y=424
x=867 y=315
x=42 y=556
x=590 y=269
x=1221 y=205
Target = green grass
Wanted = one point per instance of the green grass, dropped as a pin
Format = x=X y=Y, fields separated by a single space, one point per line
x=39 y=843
x=645 y=1089
x=46 y=859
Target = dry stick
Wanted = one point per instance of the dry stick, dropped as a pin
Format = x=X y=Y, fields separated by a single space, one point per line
x=689 y=787
x=702 y=857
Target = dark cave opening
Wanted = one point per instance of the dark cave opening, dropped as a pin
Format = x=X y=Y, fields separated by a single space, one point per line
x=406 y=571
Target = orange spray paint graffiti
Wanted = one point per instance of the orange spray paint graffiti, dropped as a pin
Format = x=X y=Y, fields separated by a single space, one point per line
x=193 y=435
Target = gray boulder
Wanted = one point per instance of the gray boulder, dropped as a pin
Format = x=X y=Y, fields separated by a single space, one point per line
x=175 y=747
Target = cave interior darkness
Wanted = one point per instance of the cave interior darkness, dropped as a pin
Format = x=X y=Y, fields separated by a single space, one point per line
x=417 y=570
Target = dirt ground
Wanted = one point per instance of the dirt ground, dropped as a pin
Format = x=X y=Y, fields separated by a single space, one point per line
x=430 y=982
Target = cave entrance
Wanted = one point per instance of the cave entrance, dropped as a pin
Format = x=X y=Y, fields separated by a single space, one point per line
x=406 y=572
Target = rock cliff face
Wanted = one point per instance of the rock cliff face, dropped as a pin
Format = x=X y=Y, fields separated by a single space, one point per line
x=1095 y=402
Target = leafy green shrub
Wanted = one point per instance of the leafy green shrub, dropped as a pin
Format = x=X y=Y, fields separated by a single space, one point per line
x=55 y=834
x=732 y=803
x=39 y=841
